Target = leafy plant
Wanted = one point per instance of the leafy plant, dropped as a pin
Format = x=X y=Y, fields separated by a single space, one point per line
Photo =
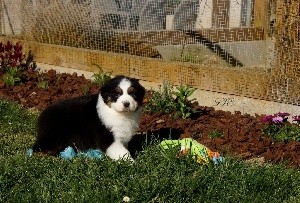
x=161 y=100
x=86 y=89
x=278 y=127
x=101 y=77
x=13 y=61
x=11 y=55
x=183 y=105
x=215 y=134
x=30 y=63
x=167 y=100
x=11 y=77
x=287 y=133
x=43 y=84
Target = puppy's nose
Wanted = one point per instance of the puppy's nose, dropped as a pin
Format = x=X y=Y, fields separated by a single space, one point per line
x=126 y=104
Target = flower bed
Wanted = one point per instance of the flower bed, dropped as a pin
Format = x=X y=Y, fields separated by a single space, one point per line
x=243 y=136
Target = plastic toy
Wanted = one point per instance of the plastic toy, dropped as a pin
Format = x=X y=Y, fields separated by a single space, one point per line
x=69 y=153
x=189 y=146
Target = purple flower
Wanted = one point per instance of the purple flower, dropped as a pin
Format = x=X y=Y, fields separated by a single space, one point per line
x=282 y=114
x=278 y=119
x=267 y=119
x=297 y=119
x=8 y=46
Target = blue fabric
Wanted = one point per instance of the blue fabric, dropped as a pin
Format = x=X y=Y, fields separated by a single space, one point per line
x=29 y=152
x=69 y=153
x=92 y=153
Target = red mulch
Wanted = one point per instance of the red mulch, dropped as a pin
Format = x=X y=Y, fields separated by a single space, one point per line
x=242 y=134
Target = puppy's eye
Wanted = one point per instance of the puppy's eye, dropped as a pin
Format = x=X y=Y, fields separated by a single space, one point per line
x=118 y=91
x=131 y=92
x=133 y=95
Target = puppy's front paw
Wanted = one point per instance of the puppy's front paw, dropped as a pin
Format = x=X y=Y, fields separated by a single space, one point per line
x=118 y=151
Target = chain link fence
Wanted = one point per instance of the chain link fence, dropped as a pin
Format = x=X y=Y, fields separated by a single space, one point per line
x=236 y=34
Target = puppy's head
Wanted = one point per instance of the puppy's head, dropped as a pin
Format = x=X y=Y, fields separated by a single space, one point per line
x=123 y=94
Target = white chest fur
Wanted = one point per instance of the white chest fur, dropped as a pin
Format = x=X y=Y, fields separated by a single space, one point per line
x=123 y=125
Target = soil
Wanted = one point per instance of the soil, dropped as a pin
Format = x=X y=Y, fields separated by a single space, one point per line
x=242 y=133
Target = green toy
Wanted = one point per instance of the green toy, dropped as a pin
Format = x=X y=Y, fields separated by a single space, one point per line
x=189 y=146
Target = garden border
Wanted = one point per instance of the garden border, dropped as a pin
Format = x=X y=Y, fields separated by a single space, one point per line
x=248 y=82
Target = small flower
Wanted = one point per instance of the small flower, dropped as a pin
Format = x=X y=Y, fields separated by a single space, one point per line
x=278 y=119
x=267 y=119
x=296 y=119
x=8 y=46
x=145 y=101
x=282 y=114
x=126 y=199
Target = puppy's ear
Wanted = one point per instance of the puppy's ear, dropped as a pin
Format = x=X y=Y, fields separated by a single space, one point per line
x=135 y=80
x=108 y=101
x=106 y=98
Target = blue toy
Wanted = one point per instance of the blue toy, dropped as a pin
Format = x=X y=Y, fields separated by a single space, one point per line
x=69 y=153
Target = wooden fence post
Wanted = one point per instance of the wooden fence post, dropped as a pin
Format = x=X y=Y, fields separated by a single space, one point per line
x=287 y=33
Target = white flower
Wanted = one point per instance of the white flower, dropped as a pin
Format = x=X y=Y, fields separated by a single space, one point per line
x=126 y=199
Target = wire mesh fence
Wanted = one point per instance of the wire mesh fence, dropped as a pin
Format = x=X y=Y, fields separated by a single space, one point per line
x=244 y=34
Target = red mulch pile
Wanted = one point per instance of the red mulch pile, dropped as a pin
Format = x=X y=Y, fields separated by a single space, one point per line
x=242 y=134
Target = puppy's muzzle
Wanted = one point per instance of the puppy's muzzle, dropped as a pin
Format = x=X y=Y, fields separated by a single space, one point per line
x=126 y=104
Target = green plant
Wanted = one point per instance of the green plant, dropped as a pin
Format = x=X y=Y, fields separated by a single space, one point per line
x=43 y=84
x=278 y=127
x=184 y=107
x=86 y=89
x=161 y=100
x=167 y=100
x=101 y=77
x=57 y=80
x=191 y=57
x=15 y=119
x=13 y=61
x=215 y=134
x=30 y=63
x=11 y=77
x=11 y=56
x=156 y=175
x=287 y=133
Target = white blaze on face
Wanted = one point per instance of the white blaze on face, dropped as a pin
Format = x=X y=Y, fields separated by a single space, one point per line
x=125 y=102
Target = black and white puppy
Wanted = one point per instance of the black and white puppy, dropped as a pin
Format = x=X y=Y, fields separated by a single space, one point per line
x=106 y=121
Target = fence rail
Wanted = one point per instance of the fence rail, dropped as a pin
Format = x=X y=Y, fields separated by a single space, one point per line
x=253 y=44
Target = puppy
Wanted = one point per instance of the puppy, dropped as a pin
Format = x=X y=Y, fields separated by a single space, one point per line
x=106 y=121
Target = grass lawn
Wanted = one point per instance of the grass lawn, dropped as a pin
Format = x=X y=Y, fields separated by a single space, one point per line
x=156 y=176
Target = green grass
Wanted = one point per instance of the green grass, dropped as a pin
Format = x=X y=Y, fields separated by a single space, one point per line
x=156 y=175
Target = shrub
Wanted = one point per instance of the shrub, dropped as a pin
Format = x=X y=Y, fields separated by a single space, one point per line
x=176 y=102
x=161 y=100
x=11 y=77
x=101 y=77
x=11 y=56
x=215 y=134
x=183 y=105
x=13 y=61
x=278 y=127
